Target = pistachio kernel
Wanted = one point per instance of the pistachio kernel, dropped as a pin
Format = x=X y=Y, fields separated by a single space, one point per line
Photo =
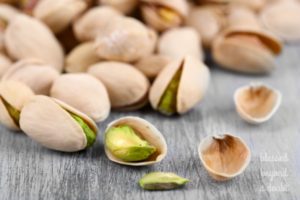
x=13 y=113
x=168 y=14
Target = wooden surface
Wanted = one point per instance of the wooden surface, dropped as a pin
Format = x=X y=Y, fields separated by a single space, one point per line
x=29 y=171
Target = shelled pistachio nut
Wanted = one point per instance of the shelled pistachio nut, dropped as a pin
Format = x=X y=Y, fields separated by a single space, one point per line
x=162 y=181
x=13 y=96
x=178 y=42
x=179 y=86
x=124 y=6
x=81 y=58
x=257 y=103
x=93 y=21
x=83 y=92
x=57 y=15
x=5 y=64
x=224 y=156
x=164 y=14
x=125 y=39
x=134 y=141
x=151 y=65
x=127 y=87
x=34 y=73
x=21 y=43
x=56 y=125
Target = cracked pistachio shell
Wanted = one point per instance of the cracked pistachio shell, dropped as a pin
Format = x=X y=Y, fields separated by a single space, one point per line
x=21 y=43
x=124 y=93
x=162 y=181
x=83 y=92
x=147 y=132
x=224 y=156
x=57 y=15
x=179 y=42
x=81 y=58
x=5 y=64
x=88 y=26
x=49 y=122
x=125 y=39
x=282 y=19
x=164 y=14
x=190 y=87
x=33 y=73
x=257 y=103
x=124 y=6
x=13 y=96
x=151 y=65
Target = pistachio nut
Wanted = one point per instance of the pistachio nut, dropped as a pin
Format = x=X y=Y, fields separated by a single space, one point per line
x=124 y=93
x=83 y=92
x=5 y=64
x=56 y=125
x=8 y=13
x=125 y=39
x=21 y=43
x=179 y=86
x=224 y=156
x=134 y=141
x=281 y=18
x=178 y=42
x=13 y=96
x=33 y=73
x=162 y=181
x=164 y=14
x=257 y=103
x=58 y=15
x=151 y=65
x=88 y=26
x=81 y=58
x=124 y=6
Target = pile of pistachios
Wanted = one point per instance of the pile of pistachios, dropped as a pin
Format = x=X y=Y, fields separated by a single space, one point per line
x=65 y=64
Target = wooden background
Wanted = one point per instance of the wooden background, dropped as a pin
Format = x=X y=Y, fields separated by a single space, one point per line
x=29 y=171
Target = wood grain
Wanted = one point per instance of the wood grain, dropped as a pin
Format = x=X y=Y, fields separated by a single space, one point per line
x=29 y=171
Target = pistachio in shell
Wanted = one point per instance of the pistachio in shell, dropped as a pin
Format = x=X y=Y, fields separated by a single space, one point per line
x=83 y=92
x=179 y=86
x=13 y=96
x=136 y=139
x=124 y=6
x=127 y=87
x=56 y=125
x=5 y=64
x=34 y=73
x=21 y=43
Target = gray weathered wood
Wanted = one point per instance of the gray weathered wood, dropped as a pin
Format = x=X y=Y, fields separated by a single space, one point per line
x=29 y=171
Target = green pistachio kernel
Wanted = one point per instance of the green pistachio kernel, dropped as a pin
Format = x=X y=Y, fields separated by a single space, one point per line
x=89 y=133
x=168 y=101
x=125 y=144
x=14 y=113
x=162 y=181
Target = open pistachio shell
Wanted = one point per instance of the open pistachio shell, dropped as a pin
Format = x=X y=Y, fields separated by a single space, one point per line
x=125 y=39
x=224 y=156
x=282 y=19
x=179 y=42
x=57 y=15
x=147 y=132
x=88 y=26
x=83 y=92
x=81 y=58
x=21 y=43
x=179 y=86
x=5 y=64
x=124 y=93
x=124 y=6
x=33 y=73
x=164 y=14
x=56 y=125
x=257 y=103
x=13 y=96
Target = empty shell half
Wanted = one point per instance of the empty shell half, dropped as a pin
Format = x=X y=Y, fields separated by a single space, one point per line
x=83 y=92
x=257 y=103
x=13 y=96
x=224 y=156
x=134 y=141
x=179 y=86
x=56 y=125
